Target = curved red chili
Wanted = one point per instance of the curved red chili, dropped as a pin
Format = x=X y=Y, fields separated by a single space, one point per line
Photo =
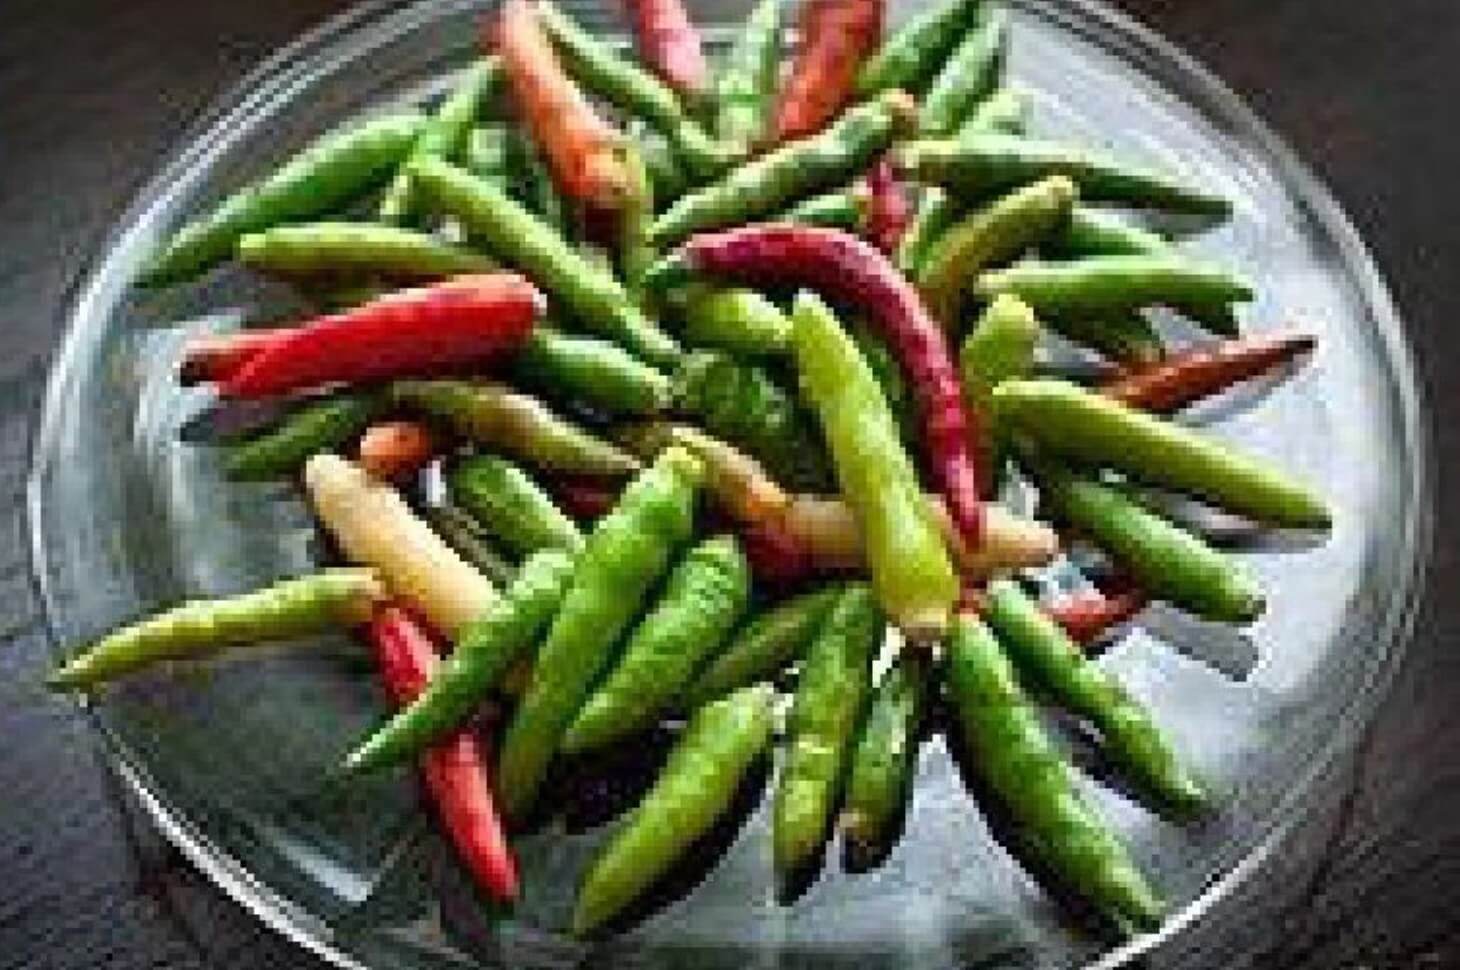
x=888 y=210
x=851 y=271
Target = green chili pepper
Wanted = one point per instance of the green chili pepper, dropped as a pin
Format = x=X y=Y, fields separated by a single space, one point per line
x=841 y=209
x=998 y=232
x=1000 y=348
x=979 y=163
x=1071 y=421
x=666 y=176
x=830 y=695
x=909 y=561
x=327 y=600
x=913 y=55
x=443 y=133
x=490 y=153
x=1165 y=561
x=968 y=76
x=592 y=372
x=540 y=195
x=763 y=646
x=1005 y=110
x=742 y=404
x=1127 y=338
x=735 y=320
x=635 y=253
x=465 y=537
x=795 y=169
x=619 y=81
x=1042 y=650
x=320 y=179
x=485 y=649
x=696 y=787
x=935 y=212
x=745 y=86
x=1093 y=232
x=515 y=423
x=323 y=425
x=511 y=506
x=890 y=378
x=625 y=555
x=1009 y=748
x=704 y=596
x=1108 y=285
x=884 y=759
x=593 y=296
x=356 y=249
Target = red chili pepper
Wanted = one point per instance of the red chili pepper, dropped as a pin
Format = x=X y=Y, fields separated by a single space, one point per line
x=888 y=209
x=776 y=556
x=670 y=45
x=1181 y=379
x=836 y=37
x=584 y=498
x=584 y=151
x=218 y=356
x=464 y=319
x=394 y=450
x=1088 y=613
x=455 y=768
x=851 y=271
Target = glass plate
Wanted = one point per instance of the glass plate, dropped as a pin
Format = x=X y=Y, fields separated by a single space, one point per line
x=232 y=758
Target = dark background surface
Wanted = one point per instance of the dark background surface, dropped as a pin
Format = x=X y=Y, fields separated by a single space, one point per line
x=91 y=94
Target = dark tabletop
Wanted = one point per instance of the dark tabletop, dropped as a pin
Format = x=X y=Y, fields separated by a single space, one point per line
x=91 y=94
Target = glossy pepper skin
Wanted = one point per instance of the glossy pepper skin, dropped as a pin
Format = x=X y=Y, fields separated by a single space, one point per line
x=595 y=299
x=917 y=49
x=455 y=768
x=1095 y=232
x=327 y=600
x=1052 y=662
x=1109 y=285
x=635 y=251
x=741 y=403
x=1127 y=339
x=763 y=646
x=466 y=319
x=706 y=767
x=354 y=249
x=836 y=36
x=396 y=451
x=911 y=570
x=1067 y=420
x=1168 y=562
x=844 y=208
x=977 y=163
x=669 y=43
x=322 y=178
x=587 y=370
x=853 y=272
x=885 y=758
x=889 y=212
x=830 y=695
x=485 y=649
x=798 y=168
x=584 y=151
x=745 y=85
x=627 y=552
x=888 y=371
x=736 y=320
x=512 y=507
x=999 y=348
x=517 y=424
x=994 y=234
x=373 y=526
x=1005 y=110
x=466 y=538
x=327 y=424
x=1088 y=615
x=1195 y=374
x=623 y=83
x=444 y=133
x=934 y=212
x=968 y=76
x=1010 y=750
x=705 y=595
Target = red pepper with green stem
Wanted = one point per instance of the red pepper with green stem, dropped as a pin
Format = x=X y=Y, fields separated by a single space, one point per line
x=1189 y=376
x=670 y=46
x=851 y=271
x=454 y=768
x=463 y=320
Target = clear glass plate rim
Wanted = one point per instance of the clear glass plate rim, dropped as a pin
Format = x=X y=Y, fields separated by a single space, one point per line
x=312 y=53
